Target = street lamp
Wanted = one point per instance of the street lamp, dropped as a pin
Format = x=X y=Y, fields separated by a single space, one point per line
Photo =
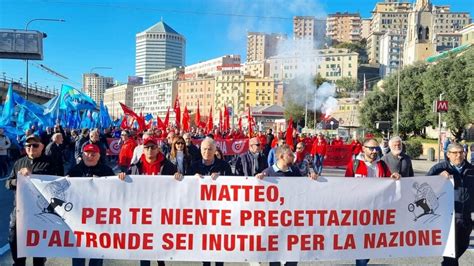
x=26 y=28
x=439 y=128
x=332 y=124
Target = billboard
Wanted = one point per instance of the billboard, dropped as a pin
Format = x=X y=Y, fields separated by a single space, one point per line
x=21 y=44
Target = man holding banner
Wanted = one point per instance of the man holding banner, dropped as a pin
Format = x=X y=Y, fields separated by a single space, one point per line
x=367 y=164
x=33 y=163
x=457 y=168
x=90 y=166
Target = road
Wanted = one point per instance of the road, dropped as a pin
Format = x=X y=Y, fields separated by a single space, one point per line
x=6 y=198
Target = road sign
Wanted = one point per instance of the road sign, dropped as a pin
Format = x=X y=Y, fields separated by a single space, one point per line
x=441 y=106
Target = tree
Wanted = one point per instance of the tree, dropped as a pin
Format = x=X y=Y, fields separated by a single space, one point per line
x=319 y=80
x=358 y=47
x=453 y=77
x=347 y=84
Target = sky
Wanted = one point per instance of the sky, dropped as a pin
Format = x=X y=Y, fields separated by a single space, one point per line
x=101 y=34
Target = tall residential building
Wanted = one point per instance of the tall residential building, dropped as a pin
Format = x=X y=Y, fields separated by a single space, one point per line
x=158 y=48
x=194 y=90
x=309 y=28
x=118 y=94
x=155 y=98
x=95 y=85
x=344 y=27
x=365 y=30
x=332 y=64
x=261 y=46
x=390 y=52
x=386 y=16
x=214 y=67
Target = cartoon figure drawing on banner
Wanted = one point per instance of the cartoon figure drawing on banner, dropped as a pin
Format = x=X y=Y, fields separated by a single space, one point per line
x=426 y=202
x=55 y=192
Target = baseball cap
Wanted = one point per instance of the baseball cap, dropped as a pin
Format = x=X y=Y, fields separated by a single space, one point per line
x=91 y=148
x=149 y=142
x=36 y=138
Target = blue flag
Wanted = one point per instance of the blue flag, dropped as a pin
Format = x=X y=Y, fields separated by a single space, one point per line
x=105 y=120
x=8 y=107
x=73 y=99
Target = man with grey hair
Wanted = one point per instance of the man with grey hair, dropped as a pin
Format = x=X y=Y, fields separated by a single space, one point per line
x=210 y=165
x=192 y=149
x=457 y=168
x=55 y=152
x=396 y=160
x=253 y=161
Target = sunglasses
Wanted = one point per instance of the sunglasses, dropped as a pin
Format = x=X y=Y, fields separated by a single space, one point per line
x=299 y=148
x=256 y=144
x=34 y=145
x=371 y=148
x=150 y=147
x=180 y=143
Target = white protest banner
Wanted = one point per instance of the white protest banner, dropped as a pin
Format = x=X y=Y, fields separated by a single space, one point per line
x=234 y=218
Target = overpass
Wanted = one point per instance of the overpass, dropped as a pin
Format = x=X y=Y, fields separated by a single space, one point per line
x=36 y=94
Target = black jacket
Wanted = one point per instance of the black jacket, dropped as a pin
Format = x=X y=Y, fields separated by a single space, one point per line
x=245 y=164
x=39 y=166
x=55 y=152
x=463 y=189
x=194 y=152
x=82 y=170
x=271 y=172
x=187 y=161
x=219 y=166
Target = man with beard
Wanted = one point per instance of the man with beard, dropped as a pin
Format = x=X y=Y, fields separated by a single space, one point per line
x=396 y=160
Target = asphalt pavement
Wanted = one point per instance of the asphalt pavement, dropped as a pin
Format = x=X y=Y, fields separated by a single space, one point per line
x=420 y=167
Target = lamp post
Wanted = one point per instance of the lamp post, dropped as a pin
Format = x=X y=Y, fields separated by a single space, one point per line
x=26 y=28
x=439 y=128
x=332 y=124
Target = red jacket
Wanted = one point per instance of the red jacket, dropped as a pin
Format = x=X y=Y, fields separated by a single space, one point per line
x=126 y=152
x=319 y=147
x=336 y=142
x=361 y=169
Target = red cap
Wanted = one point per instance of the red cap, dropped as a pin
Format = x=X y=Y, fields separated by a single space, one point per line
x=149 y=142
x=91 y=148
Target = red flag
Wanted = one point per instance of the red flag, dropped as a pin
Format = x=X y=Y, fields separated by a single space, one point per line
x=130 y=112
x=240 y=124
x=197 y=118
x=167 y=118
x=186 y=119
x=220 y=120
x=289 y=133
x=210 y=124
x=226 y=119
x=124 y=124
x=160 y=123
x=250 y=119
x=177 y=111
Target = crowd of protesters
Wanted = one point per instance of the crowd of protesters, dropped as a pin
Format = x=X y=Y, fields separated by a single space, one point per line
x=64 y=152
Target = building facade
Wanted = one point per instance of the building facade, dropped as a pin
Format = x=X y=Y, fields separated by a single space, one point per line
x=118 y=94
x=259 y=91
x=467 y=34
x=95 y=85
x=309 y=28
x=167 y=75
x=230 y=92
x=259 y=69
x=261 y=46
x=344 y=27
x=158 y=48
x=155 y=98
x=197 y=90
x=213 y=67
x=386 y=16
x=331 y=64
x=390 y=52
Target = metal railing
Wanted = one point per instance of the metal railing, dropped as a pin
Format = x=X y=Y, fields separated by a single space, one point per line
x=20 y=86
